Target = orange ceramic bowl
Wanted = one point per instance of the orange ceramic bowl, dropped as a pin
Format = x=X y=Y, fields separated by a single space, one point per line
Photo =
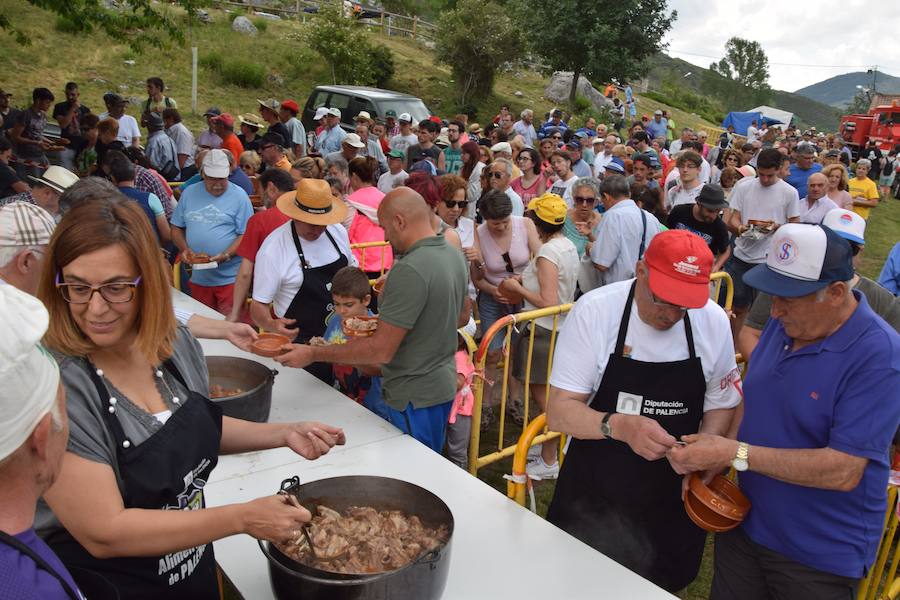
x=270 y=344
x=718 y=507
x=378 y=287
x=354 y=332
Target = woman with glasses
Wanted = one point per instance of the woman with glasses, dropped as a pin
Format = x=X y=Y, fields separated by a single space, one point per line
x=548 y=280
x=530 y=184
x=507 y=244
x=730 y=158
x=582 y=218
x=128 y=505
x=429 y=187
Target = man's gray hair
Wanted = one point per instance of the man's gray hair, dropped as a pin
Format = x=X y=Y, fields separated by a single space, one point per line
x=592 y=183
x=9 y=253
x=527 y=113
x=864 y=162
x=616 y=186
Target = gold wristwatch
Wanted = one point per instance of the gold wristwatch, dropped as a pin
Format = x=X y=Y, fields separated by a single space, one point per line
x=741 y=460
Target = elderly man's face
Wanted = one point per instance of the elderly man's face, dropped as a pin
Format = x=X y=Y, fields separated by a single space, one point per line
x=816 y=186
x=331 y=121
x=270 y=153
x=609 y=143
x=591 y=123
x=805 y=161
x=808 y=318
x=363 y=132
x=216 y=186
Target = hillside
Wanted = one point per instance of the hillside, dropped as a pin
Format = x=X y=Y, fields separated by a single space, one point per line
x=289 y=69
x=808 y=112
x=839 y=91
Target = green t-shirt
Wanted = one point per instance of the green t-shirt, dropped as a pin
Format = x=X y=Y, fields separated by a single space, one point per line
x=882 y=302
x=670 y=129
x=453 y=163
x=424 y=294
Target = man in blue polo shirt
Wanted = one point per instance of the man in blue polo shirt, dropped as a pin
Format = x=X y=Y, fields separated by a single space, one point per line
x=812 y=452
x=803 y=166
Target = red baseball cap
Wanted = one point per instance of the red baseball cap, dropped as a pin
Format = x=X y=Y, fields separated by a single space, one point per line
x=679 y=263
x=291 y=106
x=226 y=119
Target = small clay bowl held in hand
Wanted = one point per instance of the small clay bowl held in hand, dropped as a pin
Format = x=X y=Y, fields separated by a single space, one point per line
x=718 y=507
x=351 y=331
x=378 y=286
x=201 y=259
x=270 y=345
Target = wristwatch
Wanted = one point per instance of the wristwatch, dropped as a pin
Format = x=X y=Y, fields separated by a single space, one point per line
x=605 y=427
x=741 y=461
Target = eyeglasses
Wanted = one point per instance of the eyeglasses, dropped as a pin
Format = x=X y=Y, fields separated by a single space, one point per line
x=584 y=200
x=117 y=292
x=662 y=303
x=498 y=174
x=556 y=137
x=523 y=158
x=462 y=204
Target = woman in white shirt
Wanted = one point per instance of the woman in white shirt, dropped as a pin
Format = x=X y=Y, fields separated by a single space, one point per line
x=548 y=280
x=450 y=209
x=471 y=172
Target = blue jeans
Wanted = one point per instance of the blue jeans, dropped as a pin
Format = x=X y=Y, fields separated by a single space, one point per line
x=428 y=425
x=490 y=311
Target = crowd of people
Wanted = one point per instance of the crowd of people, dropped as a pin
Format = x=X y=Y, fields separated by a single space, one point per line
x=432 y=226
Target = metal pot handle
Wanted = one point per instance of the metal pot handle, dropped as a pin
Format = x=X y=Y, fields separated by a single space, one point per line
x=289 y=483
x=430 y=557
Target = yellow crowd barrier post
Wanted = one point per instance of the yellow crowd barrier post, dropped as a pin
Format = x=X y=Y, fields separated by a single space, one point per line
x=363 y=246
x=870 y=584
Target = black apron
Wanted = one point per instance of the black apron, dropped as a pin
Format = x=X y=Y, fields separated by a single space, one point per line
x=312 y=303
x=166 y=472
x=622 y=505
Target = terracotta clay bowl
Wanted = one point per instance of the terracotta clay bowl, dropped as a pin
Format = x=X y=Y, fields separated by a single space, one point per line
x=718 y=507
x=270 y=344
x=357 y=333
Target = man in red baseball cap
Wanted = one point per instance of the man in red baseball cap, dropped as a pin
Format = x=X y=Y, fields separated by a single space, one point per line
x=288 y=115
x=223 y=126
x=638 y=364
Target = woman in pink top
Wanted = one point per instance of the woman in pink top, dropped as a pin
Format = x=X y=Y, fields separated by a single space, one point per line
x=838 y=186
x=365 y=198
x=530 y=184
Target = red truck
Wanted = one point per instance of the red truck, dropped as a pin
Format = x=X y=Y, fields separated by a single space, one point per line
x=881 y=125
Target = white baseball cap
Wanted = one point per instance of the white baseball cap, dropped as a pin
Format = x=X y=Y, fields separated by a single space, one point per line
x=354 y=140
x=846 y=224
x=802 y=259
x=215 y=164
x=320 y=113
x=334 y=112
x=29 y=376
x=502 y=147
x=405 y=117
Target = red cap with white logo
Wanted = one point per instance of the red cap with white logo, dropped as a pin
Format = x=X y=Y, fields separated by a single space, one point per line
x=679 y=263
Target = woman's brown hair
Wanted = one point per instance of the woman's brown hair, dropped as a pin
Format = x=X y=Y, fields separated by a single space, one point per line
x=364 y=167
x=844 y=185
x=450 y=184
x=92 y=225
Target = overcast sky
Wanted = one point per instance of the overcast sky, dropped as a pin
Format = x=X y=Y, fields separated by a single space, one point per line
x=851 y=34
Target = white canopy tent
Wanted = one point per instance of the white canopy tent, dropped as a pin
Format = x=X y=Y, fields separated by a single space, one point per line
x=775 y=113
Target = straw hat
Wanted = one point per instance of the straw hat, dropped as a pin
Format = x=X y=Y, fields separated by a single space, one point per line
x=313 y=203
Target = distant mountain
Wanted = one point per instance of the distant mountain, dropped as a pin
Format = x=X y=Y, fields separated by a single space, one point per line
x=839 y=91
x=808 y=112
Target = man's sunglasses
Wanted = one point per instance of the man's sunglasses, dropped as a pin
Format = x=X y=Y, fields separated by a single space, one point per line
x=462 y=204
x=498 y=174
x=584 y=200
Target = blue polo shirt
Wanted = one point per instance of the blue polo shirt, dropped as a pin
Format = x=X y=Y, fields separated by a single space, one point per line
x=840 y=393
x=797 y=177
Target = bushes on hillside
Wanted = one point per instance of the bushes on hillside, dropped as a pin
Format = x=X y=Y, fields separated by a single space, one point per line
x=235 y=71
x=343 y=44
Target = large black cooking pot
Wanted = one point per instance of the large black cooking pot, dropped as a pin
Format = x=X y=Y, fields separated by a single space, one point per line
x=254 y=378
x=423 y=579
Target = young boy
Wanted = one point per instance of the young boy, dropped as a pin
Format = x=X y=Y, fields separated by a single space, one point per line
x=350 y=294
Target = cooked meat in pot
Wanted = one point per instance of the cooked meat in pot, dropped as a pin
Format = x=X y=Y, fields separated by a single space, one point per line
x=364 y=540
x=218 y=391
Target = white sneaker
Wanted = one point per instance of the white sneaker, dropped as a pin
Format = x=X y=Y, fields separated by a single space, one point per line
x=534 y=452
x=538 y=469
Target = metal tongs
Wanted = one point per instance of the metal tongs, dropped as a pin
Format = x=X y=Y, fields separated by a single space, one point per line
x=294 y=499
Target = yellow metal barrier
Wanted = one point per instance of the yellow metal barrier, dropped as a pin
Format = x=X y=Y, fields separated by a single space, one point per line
x=363 y=246
x=505 y=327
x=878 y=577
x=716 y=281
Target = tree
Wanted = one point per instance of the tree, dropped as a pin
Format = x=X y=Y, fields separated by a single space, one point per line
x=343 y=46
x=138 y=23
x=860 y=103
x=474 y=39
x=741 y=78
x=745 y=62
x=602 y=39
